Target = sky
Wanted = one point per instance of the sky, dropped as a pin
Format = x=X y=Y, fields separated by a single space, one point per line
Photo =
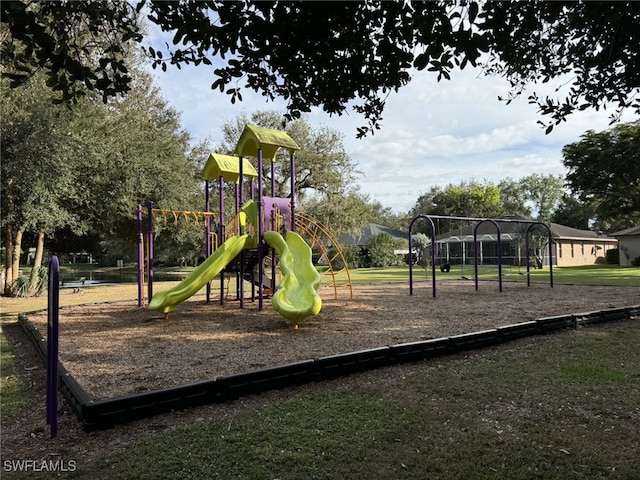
x=433 y=133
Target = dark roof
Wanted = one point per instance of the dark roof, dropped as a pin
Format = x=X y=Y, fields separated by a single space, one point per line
x=562 y=231
x=629 y=231
x=367 y=232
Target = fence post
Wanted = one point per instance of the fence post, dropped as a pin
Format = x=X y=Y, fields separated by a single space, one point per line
x=53 y=311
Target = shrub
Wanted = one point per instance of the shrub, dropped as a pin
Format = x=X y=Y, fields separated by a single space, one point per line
x=352 y=255
x=22 y=287
x=635 y=262
x=381 y=249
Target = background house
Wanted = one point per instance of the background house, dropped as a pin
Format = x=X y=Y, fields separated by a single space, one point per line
x=571 y=246
x=628 y=245
x=361 y=238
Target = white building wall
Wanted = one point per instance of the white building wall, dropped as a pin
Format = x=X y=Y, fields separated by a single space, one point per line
x=629 y=249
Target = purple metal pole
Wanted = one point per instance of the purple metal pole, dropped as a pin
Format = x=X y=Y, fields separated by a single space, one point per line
x=221 y=239
x=550 y=257
x=140 y=258
x=53 y=312
x=526 y=250
x=207 y=230
x=150 y=247
x=260 y=252
x=241 y=280
x=273 y=226
x=237 y=193
x=293 y=193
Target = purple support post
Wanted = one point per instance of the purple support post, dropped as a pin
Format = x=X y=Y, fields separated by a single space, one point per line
x=273 y=227
x=52 y=345
x=207 y=229
x=241 y=197
x=550 y=257
x=221 y=239
x=237 y=197
x=293 y=194
x=260 y=252
x=140 y=258
x=150 y=247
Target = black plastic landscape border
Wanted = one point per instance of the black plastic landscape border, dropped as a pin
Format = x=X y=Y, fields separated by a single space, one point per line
x=102 y=414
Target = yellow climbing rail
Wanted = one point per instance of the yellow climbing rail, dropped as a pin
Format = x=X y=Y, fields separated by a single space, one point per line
x=176 y=215
x=319 y=237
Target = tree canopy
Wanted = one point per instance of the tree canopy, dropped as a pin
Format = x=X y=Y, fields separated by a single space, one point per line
x=337 y=55
x=322 y=164
x=534 y=194
x=604 y=171
x=80 y=173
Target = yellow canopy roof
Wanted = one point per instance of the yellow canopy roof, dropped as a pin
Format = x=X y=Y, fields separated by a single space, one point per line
x=228 y=167
x=255 y=138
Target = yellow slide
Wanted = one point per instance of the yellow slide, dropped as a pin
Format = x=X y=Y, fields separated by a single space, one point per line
x=168 y=300
x=297 y=295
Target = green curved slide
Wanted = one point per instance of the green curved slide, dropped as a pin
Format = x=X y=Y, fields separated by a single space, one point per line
x=168 y=300
x=297 y=295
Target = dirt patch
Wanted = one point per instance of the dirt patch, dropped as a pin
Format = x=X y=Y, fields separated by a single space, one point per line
x=118 y=349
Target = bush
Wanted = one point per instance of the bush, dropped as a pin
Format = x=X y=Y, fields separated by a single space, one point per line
x=22 y=287
x=352 y=255
x=381 y=249
x=635 y=262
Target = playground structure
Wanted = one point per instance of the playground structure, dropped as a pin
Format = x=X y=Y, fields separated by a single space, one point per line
x=479 y=221
x=240 y=246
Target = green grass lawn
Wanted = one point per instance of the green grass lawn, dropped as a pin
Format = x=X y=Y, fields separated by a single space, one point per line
x=559 y=407
x=582 y=275
x=14 y=394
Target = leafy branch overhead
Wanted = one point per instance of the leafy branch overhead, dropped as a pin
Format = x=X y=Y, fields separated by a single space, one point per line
x=338 y=55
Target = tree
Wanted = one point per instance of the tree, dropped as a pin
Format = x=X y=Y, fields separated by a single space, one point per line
x=381 y=248
x=344 y=212
x=514 y=198
x=421 y=243
x=52 y=37
x=37 y=172
x=466 y=199
x=543 y=192
x=83 y=171
x=573 y=213
x=604 y=171
x=340 y=54
x=322 y=165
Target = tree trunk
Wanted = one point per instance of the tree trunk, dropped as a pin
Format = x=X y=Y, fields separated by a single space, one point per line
x=17 y=248
x=8 y=259
x=37 y=263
